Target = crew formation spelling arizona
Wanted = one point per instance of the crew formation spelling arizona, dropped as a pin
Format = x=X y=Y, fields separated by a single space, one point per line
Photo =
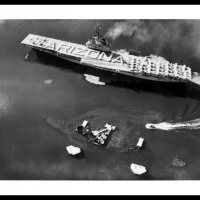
x=97 y=53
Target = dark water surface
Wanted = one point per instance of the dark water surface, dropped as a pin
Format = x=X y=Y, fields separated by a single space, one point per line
x=30 y=149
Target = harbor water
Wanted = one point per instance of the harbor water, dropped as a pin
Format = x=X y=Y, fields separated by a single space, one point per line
x=34 y=85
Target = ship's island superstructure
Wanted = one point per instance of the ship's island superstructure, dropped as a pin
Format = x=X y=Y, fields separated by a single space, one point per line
x=97 y=53
x=97 y=42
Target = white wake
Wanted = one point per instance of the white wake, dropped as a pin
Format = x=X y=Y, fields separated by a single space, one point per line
x=193 y=124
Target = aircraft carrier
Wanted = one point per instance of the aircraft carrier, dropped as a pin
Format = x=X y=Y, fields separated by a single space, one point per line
x=97 y=53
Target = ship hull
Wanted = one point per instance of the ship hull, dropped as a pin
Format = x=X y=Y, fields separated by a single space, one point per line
x=112 y=70
x=84 y=56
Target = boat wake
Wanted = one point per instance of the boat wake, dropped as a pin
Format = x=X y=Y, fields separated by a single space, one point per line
x=193 y=124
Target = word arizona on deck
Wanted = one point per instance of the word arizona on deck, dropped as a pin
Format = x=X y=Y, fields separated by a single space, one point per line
x=147 y=67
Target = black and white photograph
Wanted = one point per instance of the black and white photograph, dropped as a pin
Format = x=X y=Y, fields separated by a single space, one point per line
x=89 y=99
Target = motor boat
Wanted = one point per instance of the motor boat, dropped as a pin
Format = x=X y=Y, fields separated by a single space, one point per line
x=150 y=126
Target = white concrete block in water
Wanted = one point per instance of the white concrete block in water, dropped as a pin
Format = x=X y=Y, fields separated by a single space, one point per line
x=73 y=150
x=137 y=169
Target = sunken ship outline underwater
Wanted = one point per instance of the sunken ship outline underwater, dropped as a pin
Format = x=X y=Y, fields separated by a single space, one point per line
x=97 y=53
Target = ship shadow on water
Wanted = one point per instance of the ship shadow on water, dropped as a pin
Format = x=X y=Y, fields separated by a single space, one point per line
x=81 y=155
x=169 y=89
x=146 y=176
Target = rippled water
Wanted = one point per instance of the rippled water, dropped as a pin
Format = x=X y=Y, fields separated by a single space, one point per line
x=34 y=84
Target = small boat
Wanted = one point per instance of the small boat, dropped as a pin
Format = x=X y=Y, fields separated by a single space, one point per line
x=137 y=169
x=150 y=126
x=73 y=150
